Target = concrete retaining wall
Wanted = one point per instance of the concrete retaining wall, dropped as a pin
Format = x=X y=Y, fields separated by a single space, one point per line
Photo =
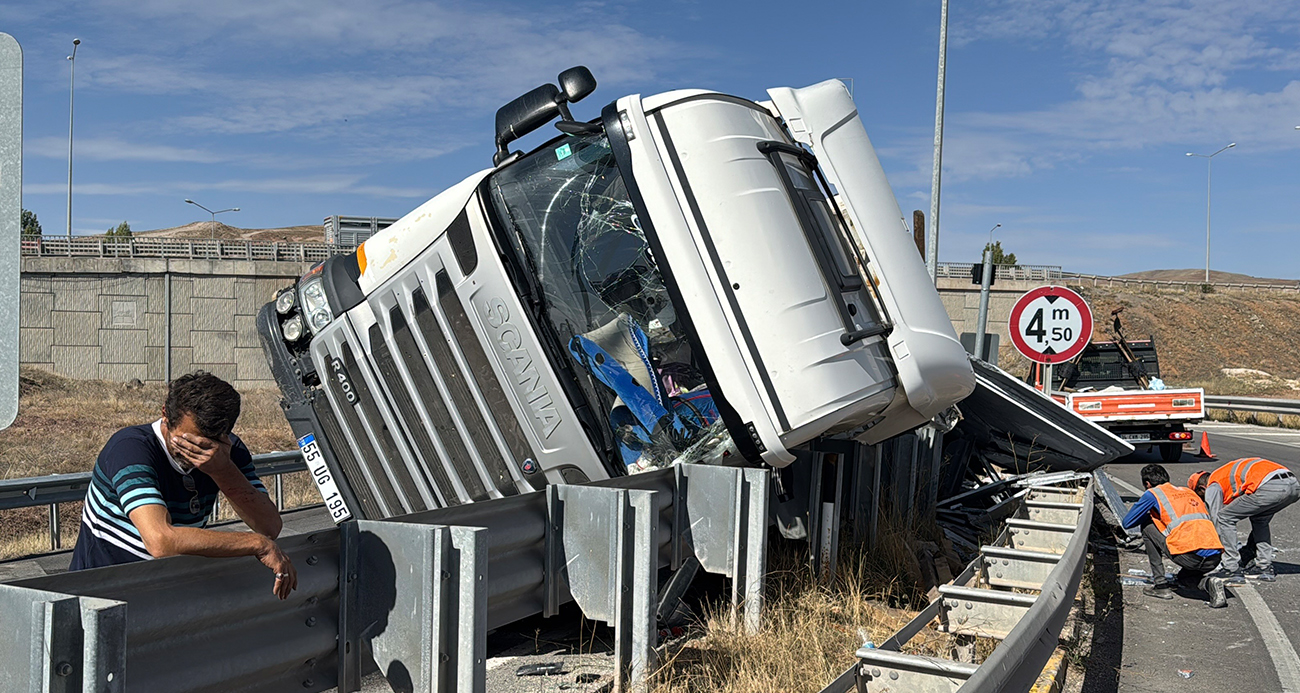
x=962 y=299
x=106 y=317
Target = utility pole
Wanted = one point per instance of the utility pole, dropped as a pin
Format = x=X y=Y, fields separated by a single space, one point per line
x=932 y=245
x=72 y=80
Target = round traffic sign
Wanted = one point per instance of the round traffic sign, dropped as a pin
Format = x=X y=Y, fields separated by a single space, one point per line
x=1050 y=324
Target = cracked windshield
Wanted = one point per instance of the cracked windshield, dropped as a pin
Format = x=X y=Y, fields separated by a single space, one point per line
x=569 y=214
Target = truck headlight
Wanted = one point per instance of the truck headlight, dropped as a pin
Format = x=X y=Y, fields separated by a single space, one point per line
x=292 y=328
x=285 y=301
x=315 y=306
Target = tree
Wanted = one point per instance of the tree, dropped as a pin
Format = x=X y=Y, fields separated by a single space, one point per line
x=31 y=227
x=122 y=230
x=999 y=257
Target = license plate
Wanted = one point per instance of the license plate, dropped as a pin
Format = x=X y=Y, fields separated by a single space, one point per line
x=1136 y=437
x=329 y=490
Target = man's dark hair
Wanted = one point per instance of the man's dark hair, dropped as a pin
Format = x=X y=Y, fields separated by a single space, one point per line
x=1155 y=475
x=212 y=402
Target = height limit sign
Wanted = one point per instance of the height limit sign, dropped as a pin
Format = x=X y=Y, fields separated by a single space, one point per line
x=1050 y=324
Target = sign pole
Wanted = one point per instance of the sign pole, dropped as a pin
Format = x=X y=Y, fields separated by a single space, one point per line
x=1047 y=380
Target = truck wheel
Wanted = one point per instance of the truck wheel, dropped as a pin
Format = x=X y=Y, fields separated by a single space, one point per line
x=1171 y=453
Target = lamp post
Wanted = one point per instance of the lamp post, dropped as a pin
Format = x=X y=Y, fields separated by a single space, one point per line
x=72 y=78
x=995 y=228
x=932 y=244
x=1208 y=160
x=212 y=230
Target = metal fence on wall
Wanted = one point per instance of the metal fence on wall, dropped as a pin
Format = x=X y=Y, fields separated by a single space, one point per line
x=1042 y=273
x=180 y=248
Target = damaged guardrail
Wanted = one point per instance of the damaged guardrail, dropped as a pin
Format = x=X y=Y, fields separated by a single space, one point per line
x=1043 y=550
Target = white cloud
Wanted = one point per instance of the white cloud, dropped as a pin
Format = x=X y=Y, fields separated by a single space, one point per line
x=112 y=149
x=330 y=184
x=1194 y=73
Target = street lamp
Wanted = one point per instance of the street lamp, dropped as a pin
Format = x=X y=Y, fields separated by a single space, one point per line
x=1208 y=160
x=212 y=230
x=995 y=228
x=72 y=60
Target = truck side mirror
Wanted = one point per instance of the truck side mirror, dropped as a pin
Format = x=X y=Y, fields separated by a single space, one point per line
x=576 y=83
x=525 y=114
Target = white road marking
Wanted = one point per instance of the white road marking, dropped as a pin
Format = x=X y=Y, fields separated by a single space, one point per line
x=1285 y=659
x=1126 y=485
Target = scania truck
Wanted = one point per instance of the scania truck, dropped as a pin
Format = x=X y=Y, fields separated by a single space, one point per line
x=690 y=276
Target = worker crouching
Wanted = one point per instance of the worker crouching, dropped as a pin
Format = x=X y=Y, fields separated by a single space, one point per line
x=1251 y=488
x=1176 y=525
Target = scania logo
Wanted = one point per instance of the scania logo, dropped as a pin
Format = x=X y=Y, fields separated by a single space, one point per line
x=344 y=382
x=524 y=377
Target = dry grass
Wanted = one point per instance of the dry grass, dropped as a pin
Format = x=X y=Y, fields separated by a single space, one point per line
x=63 y=423
x=810 y=629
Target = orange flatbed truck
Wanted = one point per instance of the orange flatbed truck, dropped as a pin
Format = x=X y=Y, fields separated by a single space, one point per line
x=1111 y=384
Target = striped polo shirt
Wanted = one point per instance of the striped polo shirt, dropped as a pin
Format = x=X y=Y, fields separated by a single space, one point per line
x=134 y=470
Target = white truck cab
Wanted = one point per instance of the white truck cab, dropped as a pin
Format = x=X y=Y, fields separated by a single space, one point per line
x=675 y=280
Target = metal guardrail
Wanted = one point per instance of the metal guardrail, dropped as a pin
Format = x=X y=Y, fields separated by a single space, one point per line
x=1043 y=549
x=962 y=270
x=416 y=593
x=1100 y=280
x=68 y=488
x=179 y=248
x=1255 y=404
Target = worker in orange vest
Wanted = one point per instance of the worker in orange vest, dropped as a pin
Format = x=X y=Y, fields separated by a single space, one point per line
x=1249 y=488
x=1176 y=525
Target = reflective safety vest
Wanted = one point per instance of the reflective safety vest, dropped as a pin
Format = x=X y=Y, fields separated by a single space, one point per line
x=1184 y=520
x=1239 y=477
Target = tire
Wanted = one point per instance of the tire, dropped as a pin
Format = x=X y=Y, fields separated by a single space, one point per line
x=1171 y=453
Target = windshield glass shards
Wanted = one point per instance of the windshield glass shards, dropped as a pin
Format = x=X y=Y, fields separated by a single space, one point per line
x=567 y=212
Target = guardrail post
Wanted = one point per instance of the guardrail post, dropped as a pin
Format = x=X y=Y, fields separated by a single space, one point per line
x=54 y=527
x=349 y=616
x=722 y=516
x=423 y=610
x=602 y=543
x=57 y=643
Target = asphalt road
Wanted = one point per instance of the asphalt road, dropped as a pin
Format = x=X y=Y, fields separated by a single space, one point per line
x=1244 y=647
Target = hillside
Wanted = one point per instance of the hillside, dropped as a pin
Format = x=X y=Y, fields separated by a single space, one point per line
x=205 y=229
x=1198 y=275
x=1212 y=340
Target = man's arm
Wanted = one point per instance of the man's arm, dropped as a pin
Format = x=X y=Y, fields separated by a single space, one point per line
x=214 y=458
x=1140 y=510
x=163 y=539
x=1214 y=500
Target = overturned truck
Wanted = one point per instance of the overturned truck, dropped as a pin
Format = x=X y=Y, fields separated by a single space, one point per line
x=691 y=276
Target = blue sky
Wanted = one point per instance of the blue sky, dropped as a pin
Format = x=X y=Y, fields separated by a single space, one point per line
x=1068 y=120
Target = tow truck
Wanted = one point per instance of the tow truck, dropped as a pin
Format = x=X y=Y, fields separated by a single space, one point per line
x=690 y=276
x=1099 y=386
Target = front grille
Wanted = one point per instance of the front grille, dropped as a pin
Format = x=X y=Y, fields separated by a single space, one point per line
x=424 y=446
x=395 y=465
x=347 y=462
x=463 y=330
x=443 y=360
x=431 y=423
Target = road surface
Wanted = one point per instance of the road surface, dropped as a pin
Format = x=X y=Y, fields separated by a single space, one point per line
x=1248 y=646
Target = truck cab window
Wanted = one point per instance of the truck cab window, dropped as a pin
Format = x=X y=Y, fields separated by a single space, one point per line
x=568 y=213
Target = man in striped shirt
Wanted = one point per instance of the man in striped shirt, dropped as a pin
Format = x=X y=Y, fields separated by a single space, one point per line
x=154 y=488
